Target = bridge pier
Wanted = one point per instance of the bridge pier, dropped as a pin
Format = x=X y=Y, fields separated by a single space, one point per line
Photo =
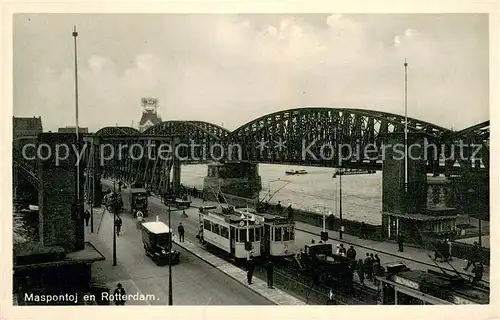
x=60 y=216
x=232 y=178
x=410 y=213
x=176 y=175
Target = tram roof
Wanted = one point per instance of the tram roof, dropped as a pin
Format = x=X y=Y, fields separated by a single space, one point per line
x=156 y=227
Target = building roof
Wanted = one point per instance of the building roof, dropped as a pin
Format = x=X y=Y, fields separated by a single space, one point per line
x=72 y=130
x=420 y=217
x=34 y=123
x=149 y=116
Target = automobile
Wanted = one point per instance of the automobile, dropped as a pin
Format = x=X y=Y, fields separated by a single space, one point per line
x=157 y=240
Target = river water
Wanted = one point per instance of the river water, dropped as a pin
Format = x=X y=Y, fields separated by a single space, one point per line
x=315 y=191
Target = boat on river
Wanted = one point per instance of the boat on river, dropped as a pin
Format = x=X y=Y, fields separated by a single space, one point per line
x=295 y=172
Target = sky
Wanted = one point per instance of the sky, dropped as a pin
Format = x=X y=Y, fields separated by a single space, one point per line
x=231 y=69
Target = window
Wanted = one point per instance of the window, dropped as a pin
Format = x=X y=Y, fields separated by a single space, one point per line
x=215 y=228
x=288 y=233
x=206 y=225
x=252 y=236
x=257 y=234
x=277 y=234
x=224 y=232
x=243 y=235
x=233 y=234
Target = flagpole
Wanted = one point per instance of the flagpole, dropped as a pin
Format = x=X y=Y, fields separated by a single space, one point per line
x=75 y=34
x=406 y=126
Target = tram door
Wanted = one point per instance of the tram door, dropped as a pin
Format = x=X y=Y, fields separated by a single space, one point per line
x=232 y=237
x=266 y=243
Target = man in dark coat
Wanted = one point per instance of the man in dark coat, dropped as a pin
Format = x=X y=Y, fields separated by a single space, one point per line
x=400 y=242
x=473 y=256
x=118 y=225
x=362 y=230
x=250 y=269
x=180 y=229
x=87 y=217
x=270 y=275
x=119 y=295
x=351 y=253
x=368 y=266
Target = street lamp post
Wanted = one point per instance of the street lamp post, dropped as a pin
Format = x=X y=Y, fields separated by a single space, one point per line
x=170 y=293
x=340 y=205
x=114 y=208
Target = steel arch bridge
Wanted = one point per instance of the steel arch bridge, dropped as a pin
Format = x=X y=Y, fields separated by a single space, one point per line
x=278 y=138
x=301 y=136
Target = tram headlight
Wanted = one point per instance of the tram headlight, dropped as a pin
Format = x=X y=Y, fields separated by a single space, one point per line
x=163 y=252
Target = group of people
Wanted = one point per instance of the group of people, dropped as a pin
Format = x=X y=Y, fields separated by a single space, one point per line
x=269 y=271
x=367 y=269
x=443 y=250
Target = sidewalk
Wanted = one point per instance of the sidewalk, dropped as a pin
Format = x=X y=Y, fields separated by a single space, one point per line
x=277 y=296
x=411 y=256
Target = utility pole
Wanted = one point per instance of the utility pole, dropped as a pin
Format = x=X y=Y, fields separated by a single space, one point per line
x=114 y=208
x=170 y=293
x=77 y=204
x=406 y=130
x=341 y=231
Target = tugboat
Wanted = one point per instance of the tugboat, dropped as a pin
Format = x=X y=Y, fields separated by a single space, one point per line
x=295 y=172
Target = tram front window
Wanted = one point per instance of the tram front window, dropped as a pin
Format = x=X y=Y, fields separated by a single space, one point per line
x=243 y=235
x=257 y=234
x=288 y=233
x=252 y=235
x=277 y=234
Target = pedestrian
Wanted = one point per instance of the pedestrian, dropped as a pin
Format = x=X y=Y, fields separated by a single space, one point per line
x=118 y=225
x=279 y=208
x=400 y=242
x=343 y=251
x=331 y=221
x=270 y=275
x=449 y=249
x=140 y=218
x=338 y=250
x=478 y=270
x=368 y=264
x=351 y=253
x=119 y=295
x=362 y=230
x=290 y=212
x=361 y=271
x=250 y=269
x=180 y=229
x=87 y=217
x=473 y=255
x=377 y=259
x=312 y=241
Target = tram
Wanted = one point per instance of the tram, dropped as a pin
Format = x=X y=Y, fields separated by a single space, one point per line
x=278 y=233
x=224 y=229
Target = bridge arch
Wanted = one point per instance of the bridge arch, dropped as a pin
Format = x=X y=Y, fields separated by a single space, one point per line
x=116 y=131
